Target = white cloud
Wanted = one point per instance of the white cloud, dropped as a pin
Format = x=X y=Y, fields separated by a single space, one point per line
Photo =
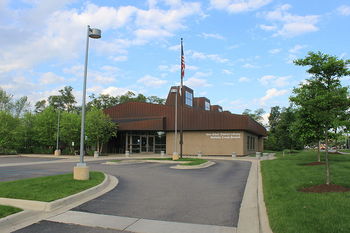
x=120 y=58
x=243 y=79
x=175 y=47
x=249 y=66
x=228 y=72
x=291 y=58
x=42 y=24
x=268 y=27
x=271 y=80
x=297 y=48
x=50 y=78
x=113 y=91
x=175 y=68
x=265 y=118
x=274 y=51
x=271 y=93
x=344 y=10
x=212 y=35
x=237 y=6
x=291 y=25
x=151 y=81
x=196 y=82
x=202 y=56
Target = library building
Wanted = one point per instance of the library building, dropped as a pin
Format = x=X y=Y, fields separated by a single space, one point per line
x=207 y=129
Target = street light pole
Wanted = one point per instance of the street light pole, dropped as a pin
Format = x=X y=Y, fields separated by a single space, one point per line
x=81 y=171
x=176 y=91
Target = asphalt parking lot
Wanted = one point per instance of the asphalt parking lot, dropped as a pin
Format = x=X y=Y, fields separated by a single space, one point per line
x=154 y=191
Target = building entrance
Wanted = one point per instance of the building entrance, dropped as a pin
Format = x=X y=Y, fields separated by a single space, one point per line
x=140 y=143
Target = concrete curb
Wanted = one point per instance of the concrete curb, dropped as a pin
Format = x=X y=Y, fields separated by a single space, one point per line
x=123 y=162
x=200 y=166
x=264 y=220
x=28 y=217
x=253 y=215
x=248 y=221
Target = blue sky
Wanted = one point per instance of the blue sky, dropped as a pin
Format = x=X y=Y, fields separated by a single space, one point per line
x=238 y=53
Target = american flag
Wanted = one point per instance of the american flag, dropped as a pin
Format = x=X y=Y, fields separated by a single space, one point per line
x=182 y=61
x=182 y=66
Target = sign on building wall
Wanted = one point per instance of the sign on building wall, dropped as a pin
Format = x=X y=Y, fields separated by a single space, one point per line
x=223 y=135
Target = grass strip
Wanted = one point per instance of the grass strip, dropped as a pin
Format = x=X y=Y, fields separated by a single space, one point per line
x=292 y=211
x=8 y=210
x=191 y=161
x=48 y=188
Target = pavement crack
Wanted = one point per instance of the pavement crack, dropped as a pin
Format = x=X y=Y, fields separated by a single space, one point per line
x=131 y=224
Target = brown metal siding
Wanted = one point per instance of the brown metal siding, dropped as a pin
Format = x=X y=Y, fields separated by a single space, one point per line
x=194 y=119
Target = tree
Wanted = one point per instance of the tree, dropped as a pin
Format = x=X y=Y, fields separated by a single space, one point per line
x=155 y=100
x=274 y=118
x=8 y=131
x=5 y=101
x=70 y=124
x=256 y=115
x=45 y=128
x=21 y=106
x=99 y=128
x=26 y=134
x=330 y=99
x=103 y=101
x=68 y=98
x=65 y=101
x=40 y=106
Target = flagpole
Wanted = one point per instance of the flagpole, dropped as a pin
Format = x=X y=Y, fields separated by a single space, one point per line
x=182 y=96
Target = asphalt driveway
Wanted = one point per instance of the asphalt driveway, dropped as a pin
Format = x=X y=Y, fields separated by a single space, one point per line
x=154 y=191
x=209 y=196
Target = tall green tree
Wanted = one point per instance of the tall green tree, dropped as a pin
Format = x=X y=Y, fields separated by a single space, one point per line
x=70 y=124
x=65 y=101
x=8 y=131
x=330 y=100
x=45 y=128
x=5 y=101
x=256 y=115
x=99 y=128
x=103 y=101
x=21 y=106
x=40 y=106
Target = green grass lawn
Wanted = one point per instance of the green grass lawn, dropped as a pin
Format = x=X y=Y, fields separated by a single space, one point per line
x=191 y=161
x=48 y=188
x=345 y=150
x=8 y=210
x=291 y=211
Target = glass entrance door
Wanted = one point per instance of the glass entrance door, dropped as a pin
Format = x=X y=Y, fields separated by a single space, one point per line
x=144 y=144
x=150 y=143
x=140 y=143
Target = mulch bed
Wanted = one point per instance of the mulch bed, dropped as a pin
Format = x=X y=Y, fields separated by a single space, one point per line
x=314 y=163
x=324 y=188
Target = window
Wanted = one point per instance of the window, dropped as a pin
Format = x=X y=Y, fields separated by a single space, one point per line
x=207 y=106
x=250 y=143
x=220 y=109
x=188 y=98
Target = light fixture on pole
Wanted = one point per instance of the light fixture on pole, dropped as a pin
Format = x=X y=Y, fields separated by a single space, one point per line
x=175 y=154
x=81 y=171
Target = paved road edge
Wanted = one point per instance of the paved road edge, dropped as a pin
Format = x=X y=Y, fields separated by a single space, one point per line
x=28 y=217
